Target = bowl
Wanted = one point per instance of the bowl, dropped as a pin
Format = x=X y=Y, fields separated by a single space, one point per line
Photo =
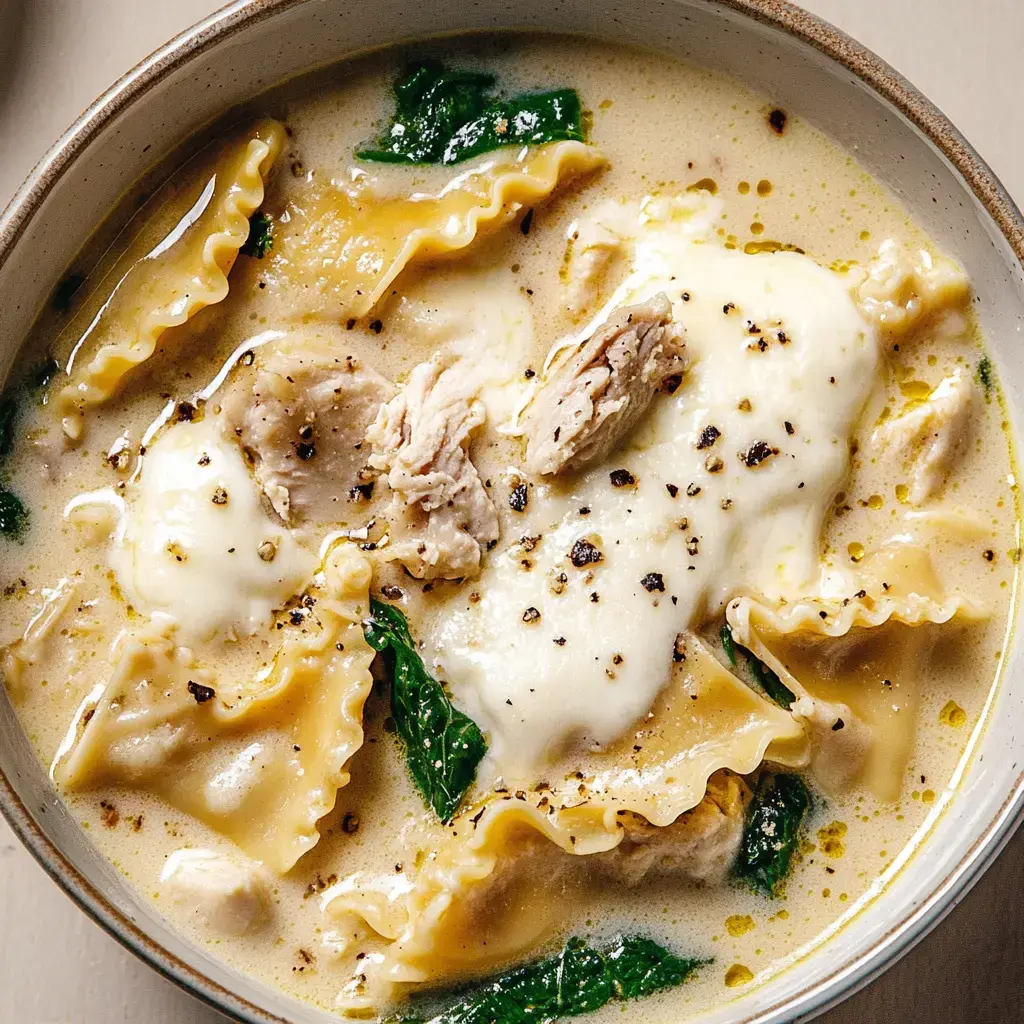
x=773 y=47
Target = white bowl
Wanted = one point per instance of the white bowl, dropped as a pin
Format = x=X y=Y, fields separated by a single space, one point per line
x=790 y=57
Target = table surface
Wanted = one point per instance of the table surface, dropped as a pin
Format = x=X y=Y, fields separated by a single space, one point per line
x=55 y=57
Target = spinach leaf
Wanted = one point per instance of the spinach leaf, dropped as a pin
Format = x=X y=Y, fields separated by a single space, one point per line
x=261 y=236
x=578 y=980
x=766 y=678
x=728 y=644
x=41 y=374
x=772 y=831
x=8 y=421
x=13 y=515
x=444 y=116
x=442 y=745
x=771 y=683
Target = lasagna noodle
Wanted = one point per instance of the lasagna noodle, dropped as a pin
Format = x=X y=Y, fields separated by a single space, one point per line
x=261 y=766
x=706 y=720
x=864 y=656
x=183 y=274
x=341 y=249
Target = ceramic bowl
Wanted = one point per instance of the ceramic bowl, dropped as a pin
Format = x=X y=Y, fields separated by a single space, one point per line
x=788 y=56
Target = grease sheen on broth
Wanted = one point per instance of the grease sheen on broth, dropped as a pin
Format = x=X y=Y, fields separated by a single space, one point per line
x=666 y=130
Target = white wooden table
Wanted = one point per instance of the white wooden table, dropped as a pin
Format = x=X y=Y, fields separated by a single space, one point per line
x=55 y=57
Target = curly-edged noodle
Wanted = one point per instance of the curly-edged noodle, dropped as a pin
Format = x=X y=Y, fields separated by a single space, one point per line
x=705 y=720
x=260 y=766
x=863 y=658
x=185 y=273
x=342 y=248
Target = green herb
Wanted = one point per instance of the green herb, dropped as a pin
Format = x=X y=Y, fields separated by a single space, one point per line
x=8 y=420
x=261 y=236
x=578 y=980
x=445 y=116
x=65 y=292
x=766 y=678
x=771 y=683
x=728 y=644
x=442 y=745
x=772 y=831
x=986 y=375
x=41 y=374
x=13 y=515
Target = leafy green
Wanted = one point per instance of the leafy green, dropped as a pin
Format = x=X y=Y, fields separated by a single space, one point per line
x=442 y=745
x=444 y=116
x=578 y=980
x=766 y=678
x=728 y=644
x=261 y=236
x=41 y=374
x=772 y=831
x=13 y=515
x=8 y=421
x=771 y=683
x=986 y=375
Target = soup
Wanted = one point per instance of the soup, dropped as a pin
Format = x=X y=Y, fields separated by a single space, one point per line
x=509 y=527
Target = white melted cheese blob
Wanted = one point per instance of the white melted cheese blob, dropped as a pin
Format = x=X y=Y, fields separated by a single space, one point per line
x=552 y=653
x=191 y=535
x=479 y=316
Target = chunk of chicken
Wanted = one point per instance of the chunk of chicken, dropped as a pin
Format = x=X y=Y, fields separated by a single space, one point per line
x=929 y=437
x=600 y=392
x=840 y=742
x=899 y=288
x=701 y=844
x=225 y=895
x=303 y=421
x=441 y=515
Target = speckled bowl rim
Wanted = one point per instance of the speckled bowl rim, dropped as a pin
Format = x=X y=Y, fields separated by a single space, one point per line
x=887 y=83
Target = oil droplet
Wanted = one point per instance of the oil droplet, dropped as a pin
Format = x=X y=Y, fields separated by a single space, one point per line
x=902 y=493
x=704 y=185
x=764 y=187
x=743 y=187
x=875 y=501
x=738 y=975
x=843 y=897
x=739 y=924
x=916 y=389
x=756 y=228
x=830 y=839
x=865 y=235
x=783 y=915
x=953 y=715
x=826 y=893
x=605 y=104
x=855 y=550
x=928 y=796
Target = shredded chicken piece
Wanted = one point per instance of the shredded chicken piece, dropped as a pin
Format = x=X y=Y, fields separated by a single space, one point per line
x=701 y=844
x=930 y=435
x=840 y=741
x=599 y=393
x=441 y=515
x=304 y=421
x=899 y=288
x=227 y=896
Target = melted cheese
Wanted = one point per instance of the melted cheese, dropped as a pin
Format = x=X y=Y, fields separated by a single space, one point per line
x=600 y=650
x=190 y=539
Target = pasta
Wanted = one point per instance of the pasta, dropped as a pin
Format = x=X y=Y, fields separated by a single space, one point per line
x=186 y=272
x=262 y=765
